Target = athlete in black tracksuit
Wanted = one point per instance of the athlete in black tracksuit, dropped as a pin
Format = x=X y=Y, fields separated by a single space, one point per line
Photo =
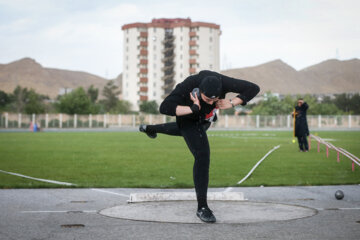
x=191 y=121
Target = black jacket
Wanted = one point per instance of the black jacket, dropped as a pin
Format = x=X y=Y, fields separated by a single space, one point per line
x=181 y=95
x=301 y=126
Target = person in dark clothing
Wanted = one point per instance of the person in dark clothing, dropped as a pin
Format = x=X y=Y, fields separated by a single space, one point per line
x=301 y=126
x=194 y=102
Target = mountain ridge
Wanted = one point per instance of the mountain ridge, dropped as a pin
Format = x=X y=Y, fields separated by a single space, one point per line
x=331 y=76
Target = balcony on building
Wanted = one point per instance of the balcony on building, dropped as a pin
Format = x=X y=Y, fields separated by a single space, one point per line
x=192 y=43
x=192 y=61
x=143 y=52
x=143 y=80
x=144 y=43
x=143 y=70
x=192 y=52
x=144 y=61
x=143 y=34
x=143 y=98
x=192 y=34
x=192 y=70
x=144 y=89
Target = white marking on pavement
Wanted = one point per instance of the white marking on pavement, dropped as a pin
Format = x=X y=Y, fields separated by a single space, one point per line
x=322 y=209
x=39 y=179
x=184 y=196
x=62 y=211
x=114 y=193
x=228 y=189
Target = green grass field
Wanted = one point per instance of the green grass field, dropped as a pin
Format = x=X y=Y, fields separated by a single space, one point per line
x=130 y=159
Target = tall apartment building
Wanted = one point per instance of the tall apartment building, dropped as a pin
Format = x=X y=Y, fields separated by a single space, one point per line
x=160 y=54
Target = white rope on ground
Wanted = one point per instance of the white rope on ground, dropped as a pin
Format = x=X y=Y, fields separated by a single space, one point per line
x=39 y=179
x=257 y=164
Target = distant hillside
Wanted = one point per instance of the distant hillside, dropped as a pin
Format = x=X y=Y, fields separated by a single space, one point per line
x=28 y=73
x=333 y=76
x=328 y=77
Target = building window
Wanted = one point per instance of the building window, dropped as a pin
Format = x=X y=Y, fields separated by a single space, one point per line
x=154 y=65
x=180 y=56
x=154 y=84
x=154 y=77
x=181 y=29
x=181 y=47
x=210 y=48
x=181 y=65
x=154 y=29
x=154 y=47
x=210 y=30
x=154 y=94
x=127 y=49
x=127 y=67
x=127 y=40
x=181 y=38
x=210 y=39
x=181 y=75
x=154 y=56
x=210 y=66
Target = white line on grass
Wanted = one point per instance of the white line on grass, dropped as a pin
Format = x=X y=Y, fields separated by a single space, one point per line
x=114 y=193
x=39 y=179
x=256 y=165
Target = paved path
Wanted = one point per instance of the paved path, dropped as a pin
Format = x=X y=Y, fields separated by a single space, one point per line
x=74 y=214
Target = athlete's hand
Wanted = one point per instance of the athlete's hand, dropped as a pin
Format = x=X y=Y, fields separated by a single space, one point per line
x=195 y=100
x=224 y=104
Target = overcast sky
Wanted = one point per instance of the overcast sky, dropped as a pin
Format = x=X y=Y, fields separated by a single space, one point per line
x=86 y=35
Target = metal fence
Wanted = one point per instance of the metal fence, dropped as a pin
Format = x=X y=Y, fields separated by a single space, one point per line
x=14 y=120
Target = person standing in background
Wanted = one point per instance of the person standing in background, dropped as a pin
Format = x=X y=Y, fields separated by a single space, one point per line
x=301 y=126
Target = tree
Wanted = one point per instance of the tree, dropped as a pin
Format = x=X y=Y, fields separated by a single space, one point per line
x=342 y=101
x=4 y=99
x=325 y=109
x=110 y=93
x=123 y=106
x=272 y=106
x=76 y=102
x=93 y=93
x=355 y=104
x=34 y=103
x=149 y=107
x=20 y=98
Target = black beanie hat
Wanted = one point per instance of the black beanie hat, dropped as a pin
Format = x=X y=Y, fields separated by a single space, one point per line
x=211 y=86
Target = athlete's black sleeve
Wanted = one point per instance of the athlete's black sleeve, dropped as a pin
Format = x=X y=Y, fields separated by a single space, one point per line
x=246 y=90
x=179 y=96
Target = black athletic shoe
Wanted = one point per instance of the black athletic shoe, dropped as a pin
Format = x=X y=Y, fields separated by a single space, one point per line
x=206 y=215
x=143 y=127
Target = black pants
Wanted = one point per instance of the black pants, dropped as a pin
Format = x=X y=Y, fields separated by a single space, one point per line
x=303 y=143
x=196 y=139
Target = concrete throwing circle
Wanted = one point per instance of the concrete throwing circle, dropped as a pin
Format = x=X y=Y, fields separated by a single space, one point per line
x=224 y=211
